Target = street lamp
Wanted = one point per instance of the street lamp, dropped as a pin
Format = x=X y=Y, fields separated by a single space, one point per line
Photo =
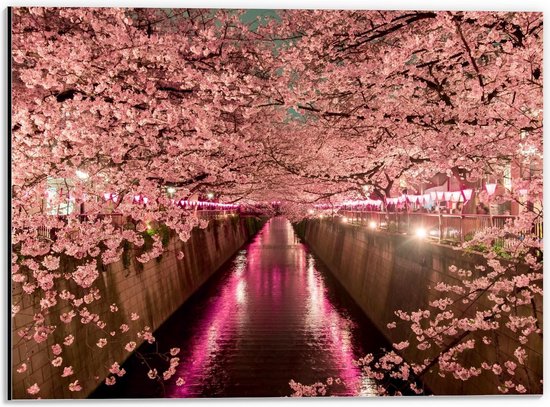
x=210 y=195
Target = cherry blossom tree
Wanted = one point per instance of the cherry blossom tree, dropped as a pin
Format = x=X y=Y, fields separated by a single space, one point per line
x=390 y=96
x=117 y=115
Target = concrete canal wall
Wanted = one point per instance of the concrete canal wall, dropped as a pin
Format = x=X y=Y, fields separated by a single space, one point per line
x=385 y=272
x=153 y=290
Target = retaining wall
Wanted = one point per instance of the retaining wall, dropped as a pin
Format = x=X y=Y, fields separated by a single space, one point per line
x=153 y=290
x=386 y=272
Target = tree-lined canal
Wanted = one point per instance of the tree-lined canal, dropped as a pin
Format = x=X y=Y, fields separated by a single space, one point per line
x=272 y=314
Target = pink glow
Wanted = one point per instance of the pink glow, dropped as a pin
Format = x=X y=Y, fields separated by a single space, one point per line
x=259 y=287
x=491 y=188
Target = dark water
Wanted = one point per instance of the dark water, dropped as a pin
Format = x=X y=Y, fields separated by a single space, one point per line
x=271 y=314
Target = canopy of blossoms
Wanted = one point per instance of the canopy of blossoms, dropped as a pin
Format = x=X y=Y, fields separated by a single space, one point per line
x=141 y=113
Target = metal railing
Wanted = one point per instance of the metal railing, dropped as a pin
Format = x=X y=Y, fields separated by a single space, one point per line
x=438 y=226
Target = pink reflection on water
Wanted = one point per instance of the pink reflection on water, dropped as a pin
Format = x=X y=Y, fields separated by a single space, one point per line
x=273 y=289
x=205 y=347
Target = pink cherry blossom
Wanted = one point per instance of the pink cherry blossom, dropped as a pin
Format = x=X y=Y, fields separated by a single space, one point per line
x=56 y=349
x=130 y=346
x=34 y=389
x=67 y=371
x=101 y=342
x=75 y=386
x=57 y=361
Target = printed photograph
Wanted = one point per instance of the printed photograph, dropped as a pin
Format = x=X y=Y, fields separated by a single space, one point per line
x=221 y=203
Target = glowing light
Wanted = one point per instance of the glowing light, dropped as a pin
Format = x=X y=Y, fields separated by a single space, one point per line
x=311 y=211
x=82 y=175
x=171 y=190
x=372 y=224
x=210 y=195
x=240 y=292
x=491 y=188
x=421 y=233
x=344 y=219
x=107 y=196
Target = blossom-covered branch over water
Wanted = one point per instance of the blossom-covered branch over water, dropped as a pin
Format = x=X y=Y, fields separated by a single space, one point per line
x=111 y=106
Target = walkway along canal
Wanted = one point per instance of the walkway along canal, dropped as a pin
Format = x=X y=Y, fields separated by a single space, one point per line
x=273 y=313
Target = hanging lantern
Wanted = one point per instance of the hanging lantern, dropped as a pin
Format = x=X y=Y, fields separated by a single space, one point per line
x=455 y=196
x=107 y=196
x=467 y=194
x=491 y=188
x=440 y=195
x=448 y=195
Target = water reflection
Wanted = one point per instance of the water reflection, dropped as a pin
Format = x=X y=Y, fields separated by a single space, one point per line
x=273 y=315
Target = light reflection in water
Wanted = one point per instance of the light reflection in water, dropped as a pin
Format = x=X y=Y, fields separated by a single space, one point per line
x=277 y=284
x=274 y=315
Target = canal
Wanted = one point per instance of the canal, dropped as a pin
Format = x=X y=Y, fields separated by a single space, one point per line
x=272 y=314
